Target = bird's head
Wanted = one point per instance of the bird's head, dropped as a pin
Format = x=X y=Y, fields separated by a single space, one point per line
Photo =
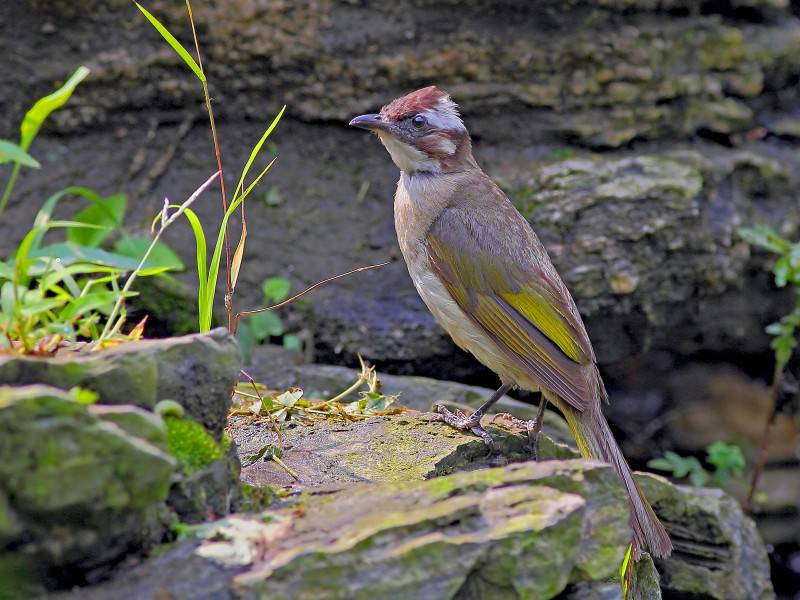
x=422 y=131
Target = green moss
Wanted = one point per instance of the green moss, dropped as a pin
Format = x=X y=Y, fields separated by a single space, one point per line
x=191 y=444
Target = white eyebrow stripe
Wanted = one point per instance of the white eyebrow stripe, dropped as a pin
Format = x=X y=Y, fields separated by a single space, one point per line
x=444 y=115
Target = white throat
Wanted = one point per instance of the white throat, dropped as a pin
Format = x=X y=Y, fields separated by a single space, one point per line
x=406 y=157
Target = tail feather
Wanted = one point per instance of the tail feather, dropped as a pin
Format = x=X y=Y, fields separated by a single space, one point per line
x=595 y=440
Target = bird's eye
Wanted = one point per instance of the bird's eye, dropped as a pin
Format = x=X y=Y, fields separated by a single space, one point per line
x=418 y=121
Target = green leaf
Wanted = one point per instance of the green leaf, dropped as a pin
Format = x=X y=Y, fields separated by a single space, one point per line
x=290 y=397
x=782 y=270
x=764 y=237
x=273 y=196
x=44 y=106
x=292 y=342
x=698 y=478
x=162 y=256
x=10 y=152
x=70 y=253
x=102 y=301
x=256 y=149
x=174 y=43
x=264 y=325
x=276 y=289
x=246 y=339
x=106 y=213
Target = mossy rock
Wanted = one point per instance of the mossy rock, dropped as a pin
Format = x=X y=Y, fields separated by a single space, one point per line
x=197 y=370
x=79 y=490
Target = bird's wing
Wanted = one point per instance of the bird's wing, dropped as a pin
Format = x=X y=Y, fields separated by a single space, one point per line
x=500 y=276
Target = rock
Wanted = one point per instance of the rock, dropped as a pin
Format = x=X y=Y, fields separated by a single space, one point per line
x=718 y=551
x=198 y=371
x=524 y=531
x=649 y=79
x=400 y=448
x=81 y=490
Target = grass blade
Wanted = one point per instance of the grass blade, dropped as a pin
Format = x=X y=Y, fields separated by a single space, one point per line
x=236 y=263
x=257 y=149
x=10 y=152
x=176 y=45
x=44 y=106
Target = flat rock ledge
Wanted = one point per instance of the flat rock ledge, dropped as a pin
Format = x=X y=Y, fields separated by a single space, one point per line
x=522 y=531
x=405 y=507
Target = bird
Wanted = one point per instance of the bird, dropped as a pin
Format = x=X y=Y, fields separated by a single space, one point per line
x=489 y=282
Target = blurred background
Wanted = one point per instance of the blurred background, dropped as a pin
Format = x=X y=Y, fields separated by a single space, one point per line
x=636 y=135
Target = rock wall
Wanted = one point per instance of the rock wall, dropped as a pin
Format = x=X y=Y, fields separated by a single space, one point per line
x=636 y=135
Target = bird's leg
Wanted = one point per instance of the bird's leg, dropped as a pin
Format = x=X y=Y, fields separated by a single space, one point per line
x=534 y=427
x=472 y=422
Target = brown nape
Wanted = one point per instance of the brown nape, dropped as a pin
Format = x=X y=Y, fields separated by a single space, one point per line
x=459 y=160
x=413 y=103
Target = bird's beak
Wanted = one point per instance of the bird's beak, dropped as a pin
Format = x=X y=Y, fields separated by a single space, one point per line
x=369 y=122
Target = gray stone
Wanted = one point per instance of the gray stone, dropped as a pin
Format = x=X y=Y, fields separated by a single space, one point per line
x=718 y=551
x=198 y=371
x=82 y=490
x=521 y=531
x=399 y=448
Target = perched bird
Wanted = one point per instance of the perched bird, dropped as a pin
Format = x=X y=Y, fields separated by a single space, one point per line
x=489 y=282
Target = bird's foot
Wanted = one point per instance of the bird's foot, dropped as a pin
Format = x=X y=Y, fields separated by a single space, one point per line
x=533 y=427
x=464 y=422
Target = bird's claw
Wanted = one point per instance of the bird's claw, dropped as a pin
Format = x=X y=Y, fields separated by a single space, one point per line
x=532 y=427
x=464 y=422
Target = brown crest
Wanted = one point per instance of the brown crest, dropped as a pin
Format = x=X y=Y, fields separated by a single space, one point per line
x=413 y=103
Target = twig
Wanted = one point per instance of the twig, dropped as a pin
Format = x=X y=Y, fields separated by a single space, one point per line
x=285 y=466
x=245 y=313
x=166 y=221
x=764 y=447
x=218 y=154
x=274 y=423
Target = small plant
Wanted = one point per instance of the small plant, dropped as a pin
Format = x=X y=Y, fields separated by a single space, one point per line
x=208 y=273
x=786 y=272
x=31 y=123
x=727 y=461
x=262 y=326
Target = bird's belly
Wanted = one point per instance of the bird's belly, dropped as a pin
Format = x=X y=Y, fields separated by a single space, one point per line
x=466 y=334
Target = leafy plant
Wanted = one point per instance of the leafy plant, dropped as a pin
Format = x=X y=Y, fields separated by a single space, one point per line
x=727 y=461
x=261 y=326
x=60 y=292
x=31 y=123
x=786 y=271
x=69 y=291
x=208 y=273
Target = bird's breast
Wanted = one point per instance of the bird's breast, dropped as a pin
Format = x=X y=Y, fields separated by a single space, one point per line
x=412 y=225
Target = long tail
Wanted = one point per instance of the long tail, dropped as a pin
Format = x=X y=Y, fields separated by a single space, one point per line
x=595 y=440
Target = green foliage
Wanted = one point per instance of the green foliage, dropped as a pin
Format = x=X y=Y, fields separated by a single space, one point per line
x=208 y=273
x=29 y=128
x=174 y=43
x=259 y=327
x=786 y=271
x=727 y=461
x=61 y=292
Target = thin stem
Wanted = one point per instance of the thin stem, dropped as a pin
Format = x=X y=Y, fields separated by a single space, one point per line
x=764 y=447
x=165 y=222
x=9 y=186
x=275 y=427
x=244 y=313
x=218 y=154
